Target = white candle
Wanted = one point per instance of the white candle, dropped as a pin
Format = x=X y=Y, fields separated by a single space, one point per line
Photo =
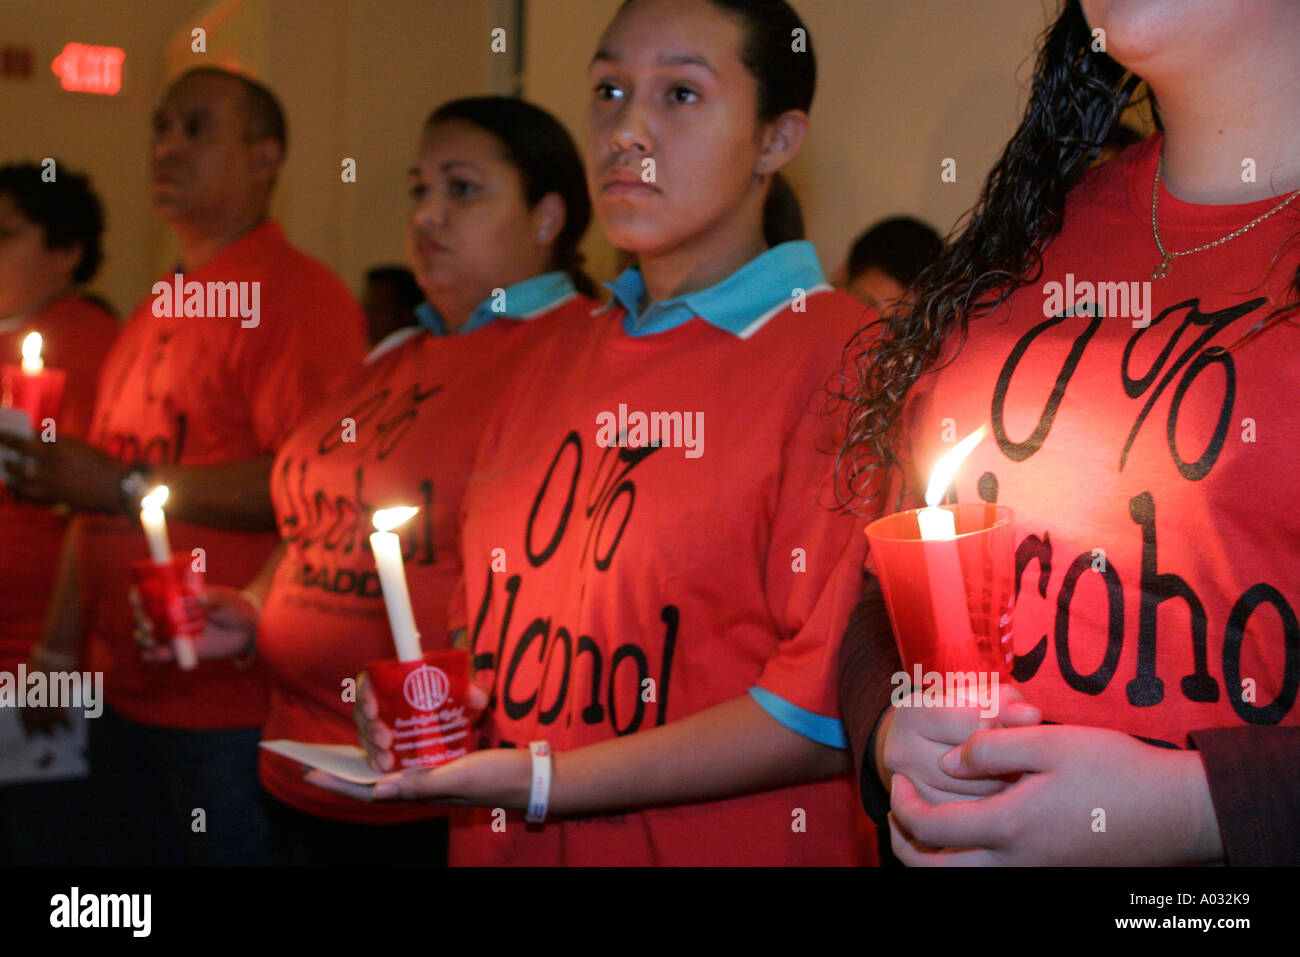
x=392 y=579
x=943 y=564
x=155 y=525
x=33 y=364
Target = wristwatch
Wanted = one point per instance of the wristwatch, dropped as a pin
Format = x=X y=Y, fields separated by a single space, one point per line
x=134 y=485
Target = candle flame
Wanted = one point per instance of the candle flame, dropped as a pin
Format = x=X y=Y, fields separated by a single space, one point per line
x=32 y=347
x=387 y=519
x=946 y=468
x=155 y=499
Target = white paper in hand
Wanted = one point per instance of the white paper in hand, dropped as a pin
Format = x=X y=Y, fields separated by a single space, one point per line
x=346 y=762
x=13 y=422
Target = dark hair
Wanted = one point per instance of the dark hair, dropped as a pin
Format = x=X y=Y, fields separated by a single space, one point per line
x=540 y=148
x=1074 y=106
x=263 y=114
x=782 y=217
x=787 y=80
x=406 y=292
x=900 y=247
x=66 y=208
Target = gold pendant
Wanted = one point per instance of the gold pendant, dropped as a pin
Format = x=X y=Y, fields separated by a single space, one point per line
x=1163 y=269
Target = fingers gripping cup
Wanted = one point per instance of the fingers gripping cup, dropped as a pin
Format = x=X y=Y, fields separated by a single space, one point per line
x=949 y=598
x=426 y=705
x=171 y=594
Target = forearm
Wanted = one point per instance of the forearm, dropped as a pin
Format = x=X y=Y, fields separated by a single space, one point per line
x=61 y=634
x=235 y=496
x=732 y=748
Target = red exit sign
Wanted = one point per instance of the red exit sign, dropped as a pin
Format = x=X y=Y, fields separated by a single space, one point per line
x=89 y=69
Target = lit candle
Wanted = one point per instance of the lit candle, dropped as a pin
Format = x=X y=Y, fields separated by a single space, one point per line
x=942 y=563
x=30 y=386
x=155 y=525
x=392 y=579
x=938 y=523
x=33 y=364
x=160 y=550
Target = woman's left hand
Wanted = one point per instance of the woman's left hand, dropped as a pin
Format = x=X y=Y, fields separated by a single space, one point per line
x=1085 y=796
x=496 y=777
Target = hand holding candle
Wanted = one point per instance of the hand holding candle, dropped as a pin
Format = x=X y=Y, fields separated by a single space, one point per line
x=422 y=696
x=169 y=589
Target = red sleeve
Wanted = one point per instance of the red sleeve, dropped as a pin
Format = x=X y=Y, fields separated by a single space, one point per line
x=306 y=342
x=1254 y=777
x=814 y=575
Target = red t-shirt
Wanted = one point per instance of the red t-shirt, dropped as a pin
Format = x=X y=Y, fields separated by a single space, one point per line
x=642 y=585
x=77 y=335
x=416 y=417
x=1148 y=468
x=203 y=391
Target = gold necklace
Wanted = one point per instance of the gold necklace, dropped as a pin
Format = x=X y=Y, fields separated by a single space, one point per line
x=1163 y=269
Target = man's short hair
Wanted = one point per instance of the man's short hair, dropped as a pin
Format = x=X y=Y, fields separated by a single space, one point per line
x=66 y=208
x=263 y=114
x=900 y=247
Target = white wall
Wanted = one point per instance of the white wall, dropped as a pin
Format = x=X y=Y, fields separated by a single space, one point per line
x=902 y=84
x=105 y=136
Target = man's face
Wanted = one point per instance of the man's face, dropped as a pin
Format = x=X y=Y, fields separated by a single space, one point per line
x=202 y=165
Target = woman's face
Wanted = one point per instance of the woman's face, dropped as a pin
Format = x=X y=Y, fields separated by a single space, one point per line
x=668 y=86
x=30 y=273
x=470 y=229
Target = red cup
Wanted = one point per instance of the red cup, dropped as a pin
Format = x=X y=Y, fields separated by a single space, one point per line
x=426 y=705
x=171 y=594
x=36 y=394
x=950 y=601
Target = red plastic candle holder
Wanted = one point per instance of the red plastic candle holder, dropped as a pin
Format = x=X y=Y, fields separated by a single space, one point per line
x=425 y=704
x=949 y=600
x=38 y=394
x=171 y=594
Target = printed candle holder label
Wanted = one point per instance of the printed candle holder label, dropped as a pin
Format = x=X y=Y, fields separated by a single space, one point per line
x=38 y=394
x=950 y=600
x=426 y=705
x=171 y=596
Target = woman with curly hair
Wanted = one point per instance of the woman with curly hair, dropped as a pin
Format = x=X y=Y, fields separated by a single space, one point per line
x=1127 y=334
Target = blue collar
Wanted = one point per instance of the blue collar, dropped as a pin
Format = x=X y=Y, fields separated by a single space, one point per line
x=739 y=304
x=523 y=300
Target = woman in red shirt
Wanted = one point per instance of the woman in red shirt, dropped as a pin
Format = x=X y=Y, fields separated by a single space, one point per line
x=498 y=209
x=1128 y=335
x=49 y=246
x=673 y=574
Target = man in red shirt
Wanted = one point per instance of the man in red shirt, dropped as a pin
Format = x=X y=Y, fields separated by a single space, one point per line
x=212 y=371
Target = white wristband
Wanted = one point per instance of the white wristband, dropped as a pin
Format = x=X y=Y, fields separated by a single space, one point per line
x=539 y=795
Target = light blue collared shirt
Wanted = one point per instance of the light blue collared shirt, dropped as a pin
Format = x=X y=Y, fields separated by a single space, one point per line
x=741 y=304
x=523 y=300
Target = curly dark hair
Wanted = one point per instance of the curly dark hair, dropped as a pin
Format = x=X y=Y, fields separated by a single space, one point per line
x=1075 y=105
x=66 y=208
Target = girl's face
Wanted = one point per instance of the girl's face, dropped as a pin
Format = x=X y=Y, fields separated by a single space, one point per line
x=30 y=273
x=470 y=229
x=673 y=139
